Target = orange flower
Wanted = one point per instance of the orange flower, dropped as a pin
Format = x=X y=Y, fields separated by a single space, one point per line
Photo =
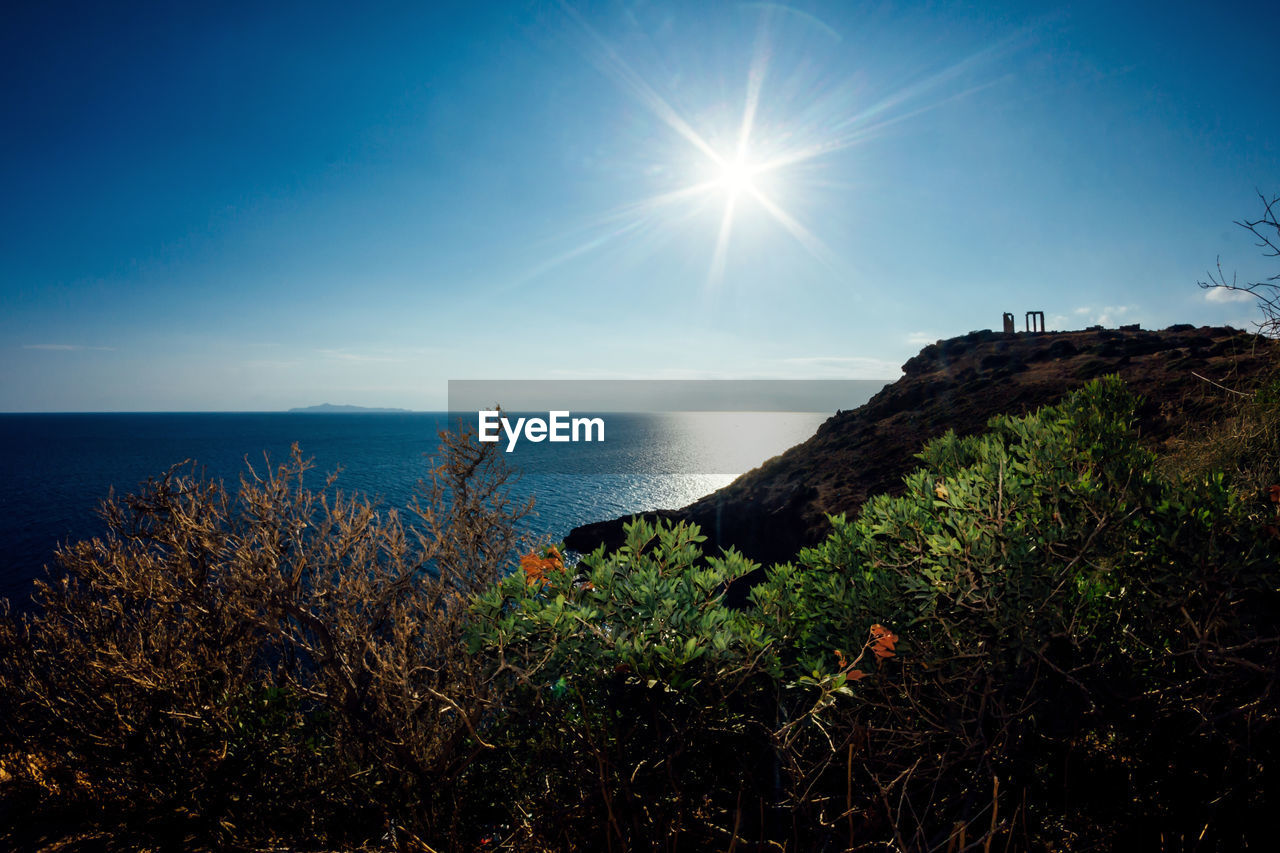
x=536 y=568
x=882 y=641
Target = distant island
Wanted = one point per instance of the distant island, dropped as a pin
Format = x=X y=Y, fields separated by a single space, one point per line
x=330 y=409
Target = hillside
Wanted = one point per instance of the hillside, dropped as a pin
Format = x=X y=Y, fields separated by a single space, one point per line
x=772 y=511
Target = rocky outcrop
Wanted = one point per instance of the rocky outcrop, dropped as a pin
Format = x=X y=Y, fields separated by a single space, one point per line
x=772 y=511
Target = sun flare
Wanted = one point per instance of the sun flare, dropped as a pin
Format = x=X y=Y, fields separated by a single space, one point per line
x=763 y=162
x=735 y=166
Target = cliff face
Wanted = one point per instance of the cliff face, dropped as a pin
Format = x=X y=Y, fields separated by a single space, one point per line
x=772 y=511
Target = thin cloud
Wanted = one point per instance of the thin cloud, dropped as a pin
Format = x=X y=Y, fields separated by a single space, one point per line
x=626 y=375
x=271 y=364
x=846 y=366
x=921 y=338
x=1226 y=294
x=344 y=355
x=67 y=348
x=1108 y=315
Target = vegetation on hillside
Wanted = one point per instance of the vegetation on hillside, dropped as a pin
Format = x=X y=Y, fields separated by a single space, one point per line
x=1051 y=640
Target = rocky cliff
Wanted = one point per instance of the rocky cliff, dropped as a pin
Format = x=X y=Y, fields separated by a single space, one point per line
x=1183 y=372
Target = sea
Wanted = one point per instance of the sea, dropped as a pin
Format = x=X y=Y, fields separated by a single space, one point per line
x=56 y=469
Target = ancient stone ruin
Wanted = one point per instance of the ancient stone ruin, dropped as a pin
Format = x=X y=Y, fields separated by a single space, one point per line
x=1035 y=322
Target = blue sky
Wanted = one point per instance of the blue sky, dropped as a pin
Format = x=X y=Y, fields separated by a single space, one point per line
x=257 y=206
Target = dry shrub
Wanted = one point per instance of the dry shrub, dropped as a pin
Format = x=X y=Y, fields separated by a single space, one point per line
x=1245 y=445
x=287 y=662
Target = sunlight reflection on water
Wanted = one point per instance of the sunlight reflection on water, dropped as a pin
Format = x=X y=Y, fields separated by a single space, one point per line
x=54 y=469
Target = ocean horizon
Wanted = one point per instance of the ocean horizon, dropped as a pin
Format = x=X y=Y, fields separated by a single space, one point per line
x=56 y=468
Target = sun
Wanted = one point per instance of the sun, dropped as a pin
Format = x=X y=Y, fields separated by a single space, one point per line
x=735 y=176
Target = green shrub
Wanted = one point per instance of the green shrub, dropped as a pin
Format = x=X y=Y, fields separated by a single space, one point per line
x=1051 y=594
x=639 y=702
